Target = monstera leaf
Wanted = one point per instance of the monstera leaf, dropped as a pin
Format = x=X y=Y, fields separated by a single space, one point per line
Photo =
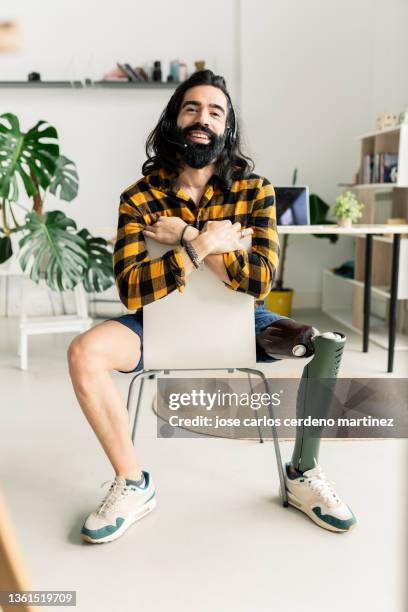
x=65 y=183
x=52 y=250
x=6 y=250
x=99 y=273
x=26 y=155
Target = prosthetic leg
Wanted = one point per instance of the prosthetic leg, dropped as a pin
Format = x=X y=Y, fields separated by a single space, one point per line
x=288 y=339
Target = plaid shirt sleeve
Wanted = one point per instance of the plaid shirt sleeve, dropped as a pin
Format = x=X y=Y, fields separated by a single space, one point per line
x=254 y=272
x=139 y=279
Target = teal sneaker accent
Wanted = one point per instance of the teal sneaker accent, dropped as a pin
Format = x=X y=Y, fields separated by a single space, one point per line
x=312 y=493
x=292 y=476
x=96 y=534
x=335 y=522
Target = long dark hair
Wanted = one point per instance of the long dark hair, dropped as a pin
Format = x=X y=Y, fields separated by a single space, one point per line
x=231 y=163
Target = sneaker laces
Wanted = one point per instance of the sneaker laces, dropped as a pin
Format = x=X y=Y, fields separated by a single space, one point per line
x=117 y=490
x=323 y=487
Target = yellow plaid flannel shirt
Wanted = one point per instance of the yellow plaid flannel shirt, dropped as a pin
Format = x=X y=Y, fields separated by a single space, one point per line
x=251 y=201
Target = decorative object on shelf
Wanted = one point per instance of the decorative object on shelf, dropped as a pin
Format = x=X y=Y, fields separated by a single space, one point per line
x=174 y=73
x=34 y=76
x=346 y=270
x=10 y=36
x=386 y=120
x=347 y=209
x=157 y=72
x=403 y=118
x=51 y=247
x=199 y=65
x=183 y=71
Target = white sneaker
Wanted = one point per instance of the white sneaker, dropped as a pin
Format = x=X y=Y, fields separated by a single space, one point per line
x=314 y=495
x=123 y=505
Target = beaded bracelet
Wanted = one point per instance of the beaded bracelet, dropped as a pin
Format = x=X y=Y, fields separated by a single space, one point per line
x=192 y=253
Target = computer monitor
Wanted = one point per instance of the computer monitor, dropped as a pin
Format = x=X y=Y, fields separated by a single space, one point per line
x=292 y=205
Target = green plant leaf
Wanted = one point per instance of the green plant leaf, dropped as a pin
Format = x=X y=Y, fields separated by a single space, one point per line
x=6 y=250
x=318 y=213
x=65 y=180
x=52 y=250
x=99 y=271
x=35 y=152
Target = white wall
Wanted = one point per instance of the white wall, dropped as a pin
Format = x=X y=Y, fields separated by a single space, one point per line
x=314 y=76
x=307 y=78
x=80 y=38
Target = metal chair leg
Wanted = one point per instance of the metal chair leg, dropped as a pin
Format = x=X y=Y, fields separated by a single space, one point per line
x=284 y=495
x=257 y=424
x=139 y=399
x=141 y=376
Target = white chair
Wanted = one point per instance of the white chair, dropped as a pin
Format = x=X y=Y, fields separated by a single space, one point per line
x=170 y=332
x=30 y=326
x=34 y=325
x=9 y=269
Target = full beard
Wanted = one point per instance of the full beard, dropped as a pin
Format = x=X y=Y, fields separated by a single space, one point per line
x=197 y=155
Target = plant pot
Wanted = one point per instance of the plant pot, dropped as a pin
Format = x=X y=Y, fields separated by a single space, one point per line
x=344 y=222
x=12 y=264
x=280 y=301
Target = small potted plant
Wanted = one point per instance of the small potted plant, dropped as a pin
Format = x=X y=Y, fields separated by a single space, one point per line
x=347 y=209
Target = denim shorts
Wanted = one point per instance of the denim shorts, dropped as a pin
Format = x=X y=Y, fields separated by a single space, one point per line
x=263 y=318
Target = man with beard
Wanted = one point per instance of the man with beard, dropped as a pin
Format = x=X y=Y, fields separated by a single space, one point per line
x=199 y=196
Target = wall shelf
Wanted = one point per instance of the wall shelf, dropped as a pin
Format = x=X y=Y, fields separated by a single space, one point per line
x=87 y=84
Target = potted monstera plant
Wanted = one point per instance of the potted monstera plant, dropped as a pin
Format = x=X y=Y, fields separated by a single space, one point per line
x=49 y=244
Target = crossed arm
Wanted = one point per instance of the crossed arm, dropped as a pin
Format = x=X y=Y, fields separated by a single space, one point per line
x=141 y=280
x=168 y=230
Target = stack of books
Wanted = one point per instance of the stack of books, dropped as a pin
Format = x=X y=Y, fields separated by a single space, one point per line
x=380 y=168
x=125 y=73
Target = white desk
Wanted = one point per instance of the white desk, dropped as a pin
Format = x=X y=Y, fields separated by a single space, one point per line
x=368 y=231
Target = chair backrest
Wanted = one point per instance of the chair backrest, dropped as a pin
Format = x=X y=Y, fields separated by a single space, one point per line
x=207 y=326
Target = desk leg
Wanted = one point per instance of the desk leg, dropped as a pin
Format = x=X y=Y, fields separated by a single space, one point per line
x=392 y=324
x=367 y=290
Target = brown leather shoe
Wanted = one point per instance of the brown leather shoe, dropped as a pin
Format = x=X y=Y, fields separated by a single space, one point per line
x=287 y=339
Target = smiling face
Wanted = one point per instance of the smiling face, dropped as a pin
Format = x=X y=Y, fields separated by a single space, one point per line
x=201 y=124
x=207 y=106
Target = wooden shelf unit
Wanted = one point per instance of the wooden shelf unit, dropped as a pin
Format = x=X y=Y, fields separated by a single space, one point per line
x=343 y=298
x=391 y=140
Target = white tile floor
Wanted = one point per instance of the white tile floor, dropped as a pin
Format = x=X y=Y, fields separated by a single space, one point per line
x=219 y=539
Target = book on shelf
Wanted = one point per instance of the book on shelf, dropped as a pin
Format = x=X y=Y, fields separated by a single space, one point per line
x=380 y=168
x=133 y=76
x=390 y=167
x=125 y=72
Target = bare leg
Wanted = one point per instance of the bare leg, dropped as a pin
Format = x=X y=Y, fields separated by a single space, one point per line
x=91 y=357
